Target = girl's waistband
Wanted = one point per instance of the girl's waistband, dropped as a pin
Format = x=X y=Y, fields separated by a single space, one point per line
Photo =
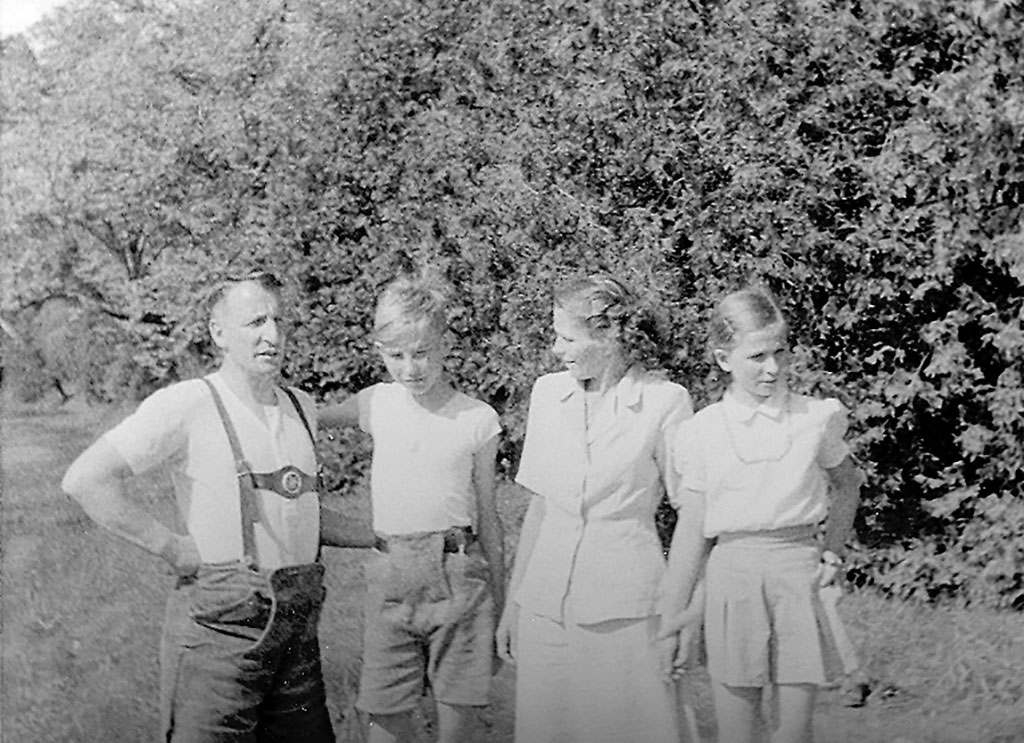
x=806 y=534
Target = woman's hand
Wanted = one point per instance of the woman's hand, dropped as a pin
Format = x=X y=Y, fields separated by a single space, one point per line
x=668 y=650
x=674 y=649
x=676 y=637
x=505 y=635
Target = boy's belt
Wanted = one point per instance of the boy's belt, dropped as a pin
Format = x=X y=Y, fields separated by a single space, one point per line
x=456 y=539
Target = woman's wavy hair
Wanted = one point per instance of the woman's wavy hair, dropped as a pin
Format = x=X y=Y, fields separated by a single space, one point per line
x=605 y=304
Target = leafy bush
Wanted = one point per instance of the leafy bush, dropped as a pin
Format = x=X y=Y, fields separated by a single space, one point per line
x=862 y=159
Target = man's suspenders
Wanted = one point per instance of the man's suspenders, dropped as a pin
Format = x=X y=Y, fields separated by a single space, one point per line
x=302 y=415
x=246 y=488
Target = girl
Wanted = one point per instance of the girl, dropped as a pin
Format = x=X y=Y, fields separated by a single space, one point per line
x=759 y=472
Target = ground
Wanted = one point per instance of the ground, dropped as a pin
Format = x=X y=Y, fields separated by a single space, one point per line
x=81 y=615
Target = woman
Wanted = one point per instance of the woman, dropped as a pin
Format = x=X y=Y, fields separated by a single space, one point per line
x=582 y=618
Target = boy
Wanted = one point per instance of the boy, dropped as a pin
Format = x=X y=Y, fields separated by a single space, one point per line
x=434 y=585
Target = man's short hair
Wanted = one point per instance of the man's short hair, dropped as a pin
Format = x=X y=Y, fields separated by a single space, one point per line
x=264 y=279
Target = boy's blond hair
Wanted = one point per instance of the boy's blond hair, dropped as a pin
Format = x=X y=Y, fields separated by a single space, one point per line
x=411 y=301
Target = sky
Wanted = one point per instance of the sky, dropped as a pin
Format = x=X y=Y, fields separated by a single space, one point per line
x=17 y=15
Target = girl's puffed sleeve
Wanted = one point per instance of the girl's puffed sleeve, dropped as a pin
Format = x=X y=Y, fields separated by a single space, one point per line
x=833 y=448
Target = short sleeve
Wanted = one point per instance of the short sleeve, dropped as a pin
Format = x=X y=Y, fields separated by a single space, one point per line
x=833 y=449
x=530 y=460
x=686 y=459
x=364 y=401
x=680 y=409
x=489 y=426
x=156 y=431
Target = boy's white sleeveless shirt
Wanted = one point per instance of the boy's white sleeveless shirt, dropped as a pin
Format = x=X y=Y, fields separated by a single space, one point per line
x=421 y=478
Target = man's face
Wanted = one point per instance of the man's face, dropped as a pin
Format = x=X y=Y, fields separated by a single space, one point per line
x=246 y=326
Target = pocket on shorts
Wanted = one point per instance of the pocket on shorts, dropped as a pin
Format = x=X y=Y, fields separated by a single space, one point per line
x=412 y=571
x=468 y=576
x=231 y=602
x=466 y=569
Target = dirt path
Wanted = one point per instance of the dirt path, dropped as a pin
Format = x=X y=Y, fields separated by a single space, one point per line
x=81 y=616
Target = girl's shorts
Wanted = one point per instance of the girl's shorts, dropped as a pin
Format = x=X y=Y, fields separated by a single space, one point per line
x=764 y=621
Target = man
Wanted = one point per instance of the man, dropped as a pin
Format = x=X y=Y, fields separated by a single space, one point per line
x=240 y=656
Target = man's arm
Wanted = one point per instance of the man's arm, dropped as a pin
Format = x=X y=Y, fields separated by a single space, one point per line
x=97 y=480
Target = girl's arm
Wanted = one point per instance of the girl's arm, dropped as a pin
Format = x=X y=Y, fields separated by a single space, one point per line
x=845 y=480
x=506 y=633
x=682 y=607
x=344 y=413
x=492 y=537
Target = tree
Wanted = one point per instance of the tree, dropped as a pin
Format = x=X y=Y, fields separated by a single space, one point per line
x=862 y=159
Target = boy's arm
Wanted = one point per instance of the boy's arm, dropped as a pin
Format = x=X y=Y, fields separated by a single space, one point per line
x=344 y=413
x=97 y=481
x=338 y=530
x=845 y=480
x=491 y=534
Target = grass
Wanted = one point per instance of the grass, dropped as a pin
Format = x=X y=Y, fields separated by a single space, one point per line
x=940 y=674
x=81 y=616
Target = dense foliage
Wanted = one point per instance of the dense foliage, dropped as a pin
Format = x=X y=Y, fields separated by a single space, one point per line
x=864 y=159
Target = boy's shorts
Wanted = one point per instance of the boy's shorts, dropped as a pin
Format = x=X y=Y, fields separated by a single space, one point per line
x=428 y=619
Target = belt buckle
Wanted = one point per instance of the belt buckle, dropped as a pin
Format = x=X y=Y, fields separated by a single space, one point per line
x=459 y=539
x=291 y=481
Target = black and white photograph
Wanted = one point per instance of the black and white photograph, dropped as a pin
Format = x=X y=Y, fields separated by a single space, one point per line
x=512 y=371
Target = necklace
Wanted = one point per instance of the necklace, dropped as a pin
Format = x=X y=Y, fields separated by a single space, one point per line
x=760 y=443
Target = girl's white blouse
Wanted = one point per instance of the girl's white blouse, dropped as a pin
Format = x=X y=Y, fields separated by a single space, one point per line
x=761 y=468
